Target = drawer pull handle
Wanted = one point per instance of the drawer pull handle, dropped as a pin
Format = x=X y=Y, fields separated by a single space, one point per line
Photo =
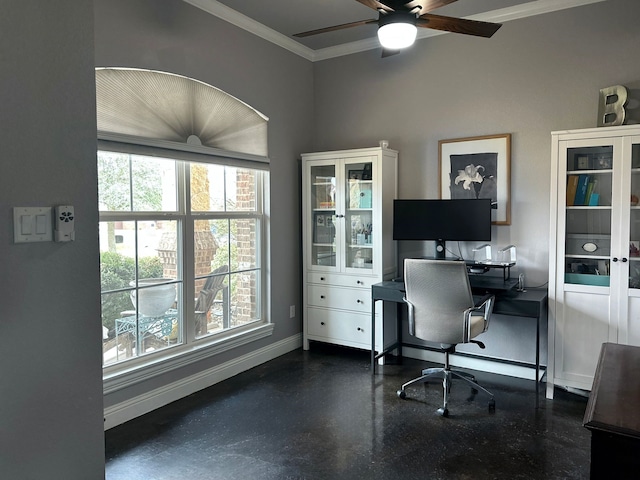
x=321 y=323
x=359 y=282
x=360 y=330
x=321 y=296
x=322 y=279
x=359 y=301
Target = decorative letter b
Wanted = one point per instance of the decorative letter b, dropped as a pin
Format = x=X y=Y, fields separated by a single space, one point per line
x=611 y=108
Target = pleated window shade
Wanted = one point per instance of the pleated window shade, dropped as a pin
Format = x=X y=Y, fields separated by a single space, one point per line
x=153 y=105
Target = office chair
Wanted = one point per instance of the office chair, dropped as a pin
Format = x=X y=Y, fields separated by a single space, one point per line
x=442 y=311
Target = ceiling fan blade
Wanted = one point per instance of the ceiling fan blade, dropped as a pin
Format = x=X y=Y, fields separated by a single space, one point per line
x=458 y=25
x=376 y=5
x=334 y=28
x=427 y=5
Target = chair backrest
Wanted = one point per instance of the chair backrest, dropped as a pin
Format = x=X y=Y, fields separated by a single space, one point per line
x=207 y=295
x=440 y=293
x=215 y=281
x=211 y=287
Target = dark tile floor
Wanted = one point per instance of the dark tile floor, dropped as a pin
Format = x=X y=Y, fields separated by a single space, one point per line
x=321 y=415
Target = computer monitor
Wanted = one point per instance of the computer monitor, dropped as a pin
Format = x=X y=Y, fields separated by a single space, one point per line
x=442 y=220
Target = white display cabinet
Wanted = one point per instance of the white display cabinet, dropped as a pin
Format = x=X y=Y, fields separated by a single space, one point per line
x=347 y=217
x=594 y=258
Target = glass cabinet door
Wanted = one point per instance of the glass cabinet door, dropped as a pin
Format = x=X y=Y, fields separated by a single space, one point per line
x=323 y=215
x=589 y=215
x=634 y=219
x=358 y=209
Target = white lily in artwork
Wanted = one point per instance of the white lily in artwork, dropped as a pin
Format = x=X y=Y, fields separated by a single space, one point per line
x=470 y=174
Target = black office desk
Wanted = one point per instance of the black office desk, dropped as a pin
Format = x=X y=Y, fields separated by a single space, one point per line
x=530 y=303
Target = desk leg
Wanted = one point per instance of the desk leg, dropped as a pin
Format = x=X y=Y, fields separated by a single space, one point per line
x=373 y=336
x=538 y=357
x=399 y=331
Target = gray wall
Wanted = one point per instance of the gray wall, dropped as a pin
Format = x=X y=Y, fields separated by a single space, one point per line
x=50 y=355
x=176 y=37
x=534 y=76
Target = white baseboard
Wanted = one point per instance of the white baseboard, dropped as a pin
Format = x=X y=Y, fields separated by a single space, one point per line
x=474 y=363
x=134 y=407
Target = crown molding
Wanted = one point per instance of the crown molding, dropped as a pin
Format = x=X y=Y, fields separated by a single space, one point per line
x=530 y=9
x=230 y=15
x=502 y=15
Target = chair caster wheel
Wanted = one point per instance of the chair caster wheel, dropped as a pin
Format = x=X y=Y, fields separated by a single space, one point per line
x=402 y=394
x=443 y=412
x=492 y=406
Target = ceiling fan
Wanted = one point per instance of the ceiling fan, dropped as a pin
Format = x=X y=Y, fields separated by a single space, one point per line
x=398 y=21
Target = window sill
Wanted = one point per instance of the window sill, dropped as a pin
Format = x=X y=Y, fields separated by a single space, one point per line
x=119 y=377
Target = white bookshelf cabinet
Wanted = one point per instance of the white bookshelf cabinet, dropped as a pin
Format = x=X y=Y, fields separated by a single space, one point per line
x=347 y=219
x=594 y=258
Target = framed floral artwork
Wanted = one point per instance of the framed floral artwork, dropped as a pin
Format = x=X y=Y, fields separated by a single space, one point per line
x=478 y=167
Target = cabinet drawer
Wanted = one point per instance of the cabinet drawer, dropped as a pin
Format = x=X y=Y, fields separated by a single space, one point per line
x=357 y=281
x=356 y=299
x=343 y=328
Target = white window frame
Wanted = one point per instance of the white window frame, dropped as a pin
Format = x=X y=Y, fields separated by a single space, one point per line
x=192 y=350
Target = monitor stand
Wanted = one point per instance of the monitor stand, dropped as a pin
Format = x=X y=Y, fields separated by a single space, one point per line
x=489 y=283
x=441 y=252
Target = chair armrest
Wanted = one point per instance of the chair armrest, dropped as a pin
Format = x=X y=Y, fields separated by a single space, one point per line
x=410 y=316
x=484 y=306
x=484 y=300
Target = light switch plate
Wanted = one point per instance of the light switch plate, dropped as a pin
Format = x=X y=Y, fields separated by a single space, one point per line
x=32 y=224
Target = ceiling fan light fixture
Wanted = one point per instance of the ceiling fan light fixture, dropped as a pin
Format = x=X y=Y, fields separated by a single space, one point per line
x=397 y=30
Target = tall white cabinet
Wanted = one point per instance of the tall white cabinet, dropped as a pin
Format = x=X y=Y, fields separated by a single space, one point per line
x=347 y=218
x=594 y=259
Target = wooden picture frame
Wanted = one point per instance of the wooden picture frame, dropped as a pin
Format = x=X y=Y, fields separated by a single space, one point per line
x=478 y=167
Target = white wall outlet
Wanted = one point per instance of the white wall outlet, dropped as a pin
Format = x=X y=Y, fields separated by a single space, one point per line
x=65 y=223
x=292 y=311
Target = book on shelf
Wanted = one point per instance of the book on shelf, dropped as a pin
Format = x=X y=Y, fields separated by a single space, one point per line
x=572 y=185
x=592 y=196
x=581 y=190
x=589 y=192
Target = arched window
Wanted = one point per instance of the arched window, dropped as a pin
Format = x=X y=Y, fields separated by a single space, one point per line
x=182 y=175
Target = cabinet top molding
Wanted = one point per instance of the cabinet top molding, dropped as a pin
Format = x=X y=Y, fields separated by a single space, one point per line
x=339 y=153
x=601 y=131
